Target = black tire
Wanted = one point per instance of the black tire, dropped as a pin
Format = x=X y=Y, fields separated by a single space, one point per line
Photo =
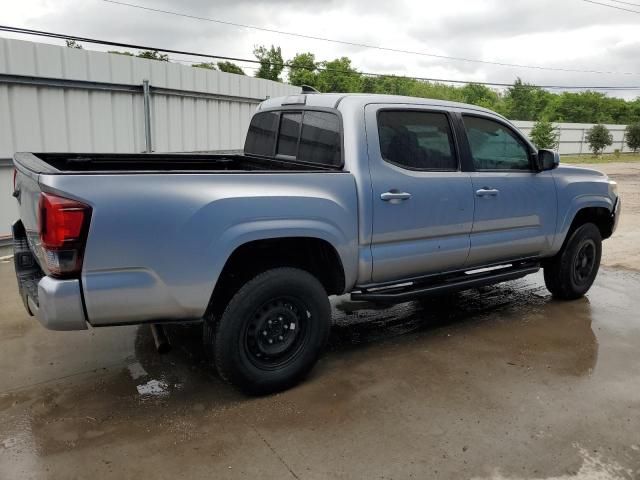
x=570 y=274
x=272 y=331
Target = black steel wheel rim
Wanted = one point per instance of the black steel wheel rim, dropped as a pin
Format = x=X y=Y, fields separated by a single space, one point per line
x=276 y=332
x=584 y=262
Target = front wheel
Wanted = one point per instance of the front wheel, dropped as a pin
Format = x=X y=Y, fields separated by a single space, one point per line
x=272 y=331
x=570 y=274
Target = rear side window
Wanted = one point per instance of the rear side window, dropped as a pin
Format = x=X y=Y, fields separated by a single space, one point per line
x=417 y=140
x=308 y=136
x=262 y=134
x=320 y=138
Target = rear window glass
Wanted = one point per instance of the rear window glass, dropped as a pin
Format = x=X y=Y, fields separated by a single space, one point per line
x=320 y=138
x=308 y=136
x=262 y=134
x=289 y=132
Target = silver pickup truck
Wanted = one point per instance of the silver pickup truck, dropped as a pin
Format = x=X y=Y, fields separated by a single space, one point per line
x=383 y=197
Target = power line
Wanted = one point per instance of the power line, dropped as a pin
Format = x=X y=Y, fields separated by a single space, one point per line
x=42 y=33
x=63 y=36
x=626 y=3
x=599 y=3
x=364 y=45
x=192 y=63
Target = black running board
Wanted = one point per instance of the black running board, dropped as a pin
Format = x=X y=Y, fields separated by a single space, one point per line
x=463 y=281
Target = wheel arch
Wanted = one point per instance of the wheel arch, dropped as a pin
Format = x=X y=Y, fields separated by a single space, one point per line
x=314 y=254
x=597 y=212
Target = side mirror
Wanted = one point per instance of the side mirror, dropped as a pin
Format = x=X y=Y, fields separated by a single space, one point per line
x=547 y=159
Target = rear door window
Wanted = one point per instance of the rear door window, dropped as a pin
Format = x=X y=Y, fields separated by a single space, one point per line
x=417 y=140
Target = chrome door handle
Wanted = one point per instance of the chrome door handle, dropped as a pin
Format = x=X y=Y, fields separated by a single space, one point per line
x=488 y=192
x=387 y=196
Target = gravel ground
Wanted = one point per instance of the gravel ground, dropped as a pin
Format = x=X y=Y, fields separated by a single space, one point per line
x=623 y=249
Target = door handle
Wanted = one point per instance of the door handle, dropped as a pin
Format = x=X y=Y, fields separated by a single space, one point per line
x=488 y=192
x=394 y=195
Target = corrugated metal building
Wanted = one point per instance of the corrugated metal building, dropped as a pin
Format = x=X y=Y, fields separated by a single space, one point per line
x=61 y=99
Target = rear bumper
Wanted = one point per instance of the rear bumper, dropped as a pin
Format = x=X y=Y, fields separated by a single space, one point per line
x=57 y=304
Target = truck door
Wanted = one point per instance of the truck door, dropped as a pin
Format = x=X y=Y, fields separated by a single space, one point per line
x=515 y=205
x=422 y=201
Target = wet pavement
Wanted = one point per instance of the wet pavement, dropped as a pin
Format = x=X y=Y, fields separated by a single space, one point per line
x=502 y=383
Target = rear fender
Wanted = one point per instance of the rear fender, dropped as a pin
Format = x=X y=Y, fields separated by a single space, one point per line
x=265 y=229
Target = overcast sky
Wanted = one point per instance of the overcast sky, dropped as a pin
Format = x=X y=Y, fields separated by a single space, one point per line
x=568 y=34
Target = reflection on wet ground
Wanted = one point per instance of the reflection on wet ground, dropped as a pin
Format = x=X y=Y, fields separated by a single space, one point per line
x=502 y=382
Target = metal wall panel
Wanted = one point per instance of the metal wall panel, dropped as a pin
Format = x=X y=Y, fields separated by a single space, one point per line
x=54 y=118
x=572 y=136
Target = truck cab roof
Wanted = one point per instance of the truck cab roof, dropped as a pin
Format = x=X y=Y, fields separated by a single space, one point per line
x=359 y=100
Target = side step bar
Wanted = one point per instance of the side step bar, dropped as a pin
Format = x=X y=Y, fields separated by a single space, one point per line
x=446 y=285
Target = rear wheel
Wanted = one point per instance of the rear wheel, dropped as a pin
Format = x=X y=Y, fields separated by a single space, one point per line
x=272 y=331
x=571 y=272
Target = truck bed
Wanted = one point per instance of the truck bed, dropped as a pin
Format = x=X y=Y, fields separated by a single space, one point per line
x=162 y=226
x=87 y=163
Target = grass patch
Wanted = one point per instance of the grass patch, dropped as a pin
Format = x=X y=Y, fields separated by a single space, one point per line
x=605 y=158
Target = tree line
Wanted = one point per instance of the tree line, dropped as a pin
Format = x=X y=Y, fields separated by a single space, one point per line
x=520 y=101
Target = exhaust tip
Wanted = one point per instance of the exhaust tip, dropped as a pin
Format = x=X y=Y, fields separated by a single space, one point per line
x=160 y=339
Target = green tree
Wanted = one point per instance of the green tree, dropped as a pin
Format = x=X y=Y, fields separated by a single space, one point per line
x=439 y=91
x=271 y=63
x=524 y=101
x=632 y=134
x=389 y=84
x=633 y=111
x=582 y=107
x=598 y=138
x=338 y=76
x=207 y=65
x=73 y=44
x=230 y=67
x=544 y=134
x=480 y=95
x=153 y=55
x=303 y=70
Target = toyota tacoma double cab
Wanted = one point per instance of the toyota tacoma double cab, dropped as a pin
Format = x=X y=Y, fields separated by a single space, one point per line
x=387 y=198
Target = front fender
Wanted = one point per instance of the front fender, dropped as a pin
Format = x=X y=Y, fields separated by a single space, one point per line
x=578 y=203
x=578 y=188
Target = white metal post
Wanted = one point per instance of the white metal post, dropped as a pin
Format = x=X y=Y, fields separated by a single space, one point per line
x=147 y=115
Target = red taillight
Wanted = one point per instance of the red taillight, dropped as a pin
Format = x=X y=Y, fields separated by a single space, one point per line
x=63 y=229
